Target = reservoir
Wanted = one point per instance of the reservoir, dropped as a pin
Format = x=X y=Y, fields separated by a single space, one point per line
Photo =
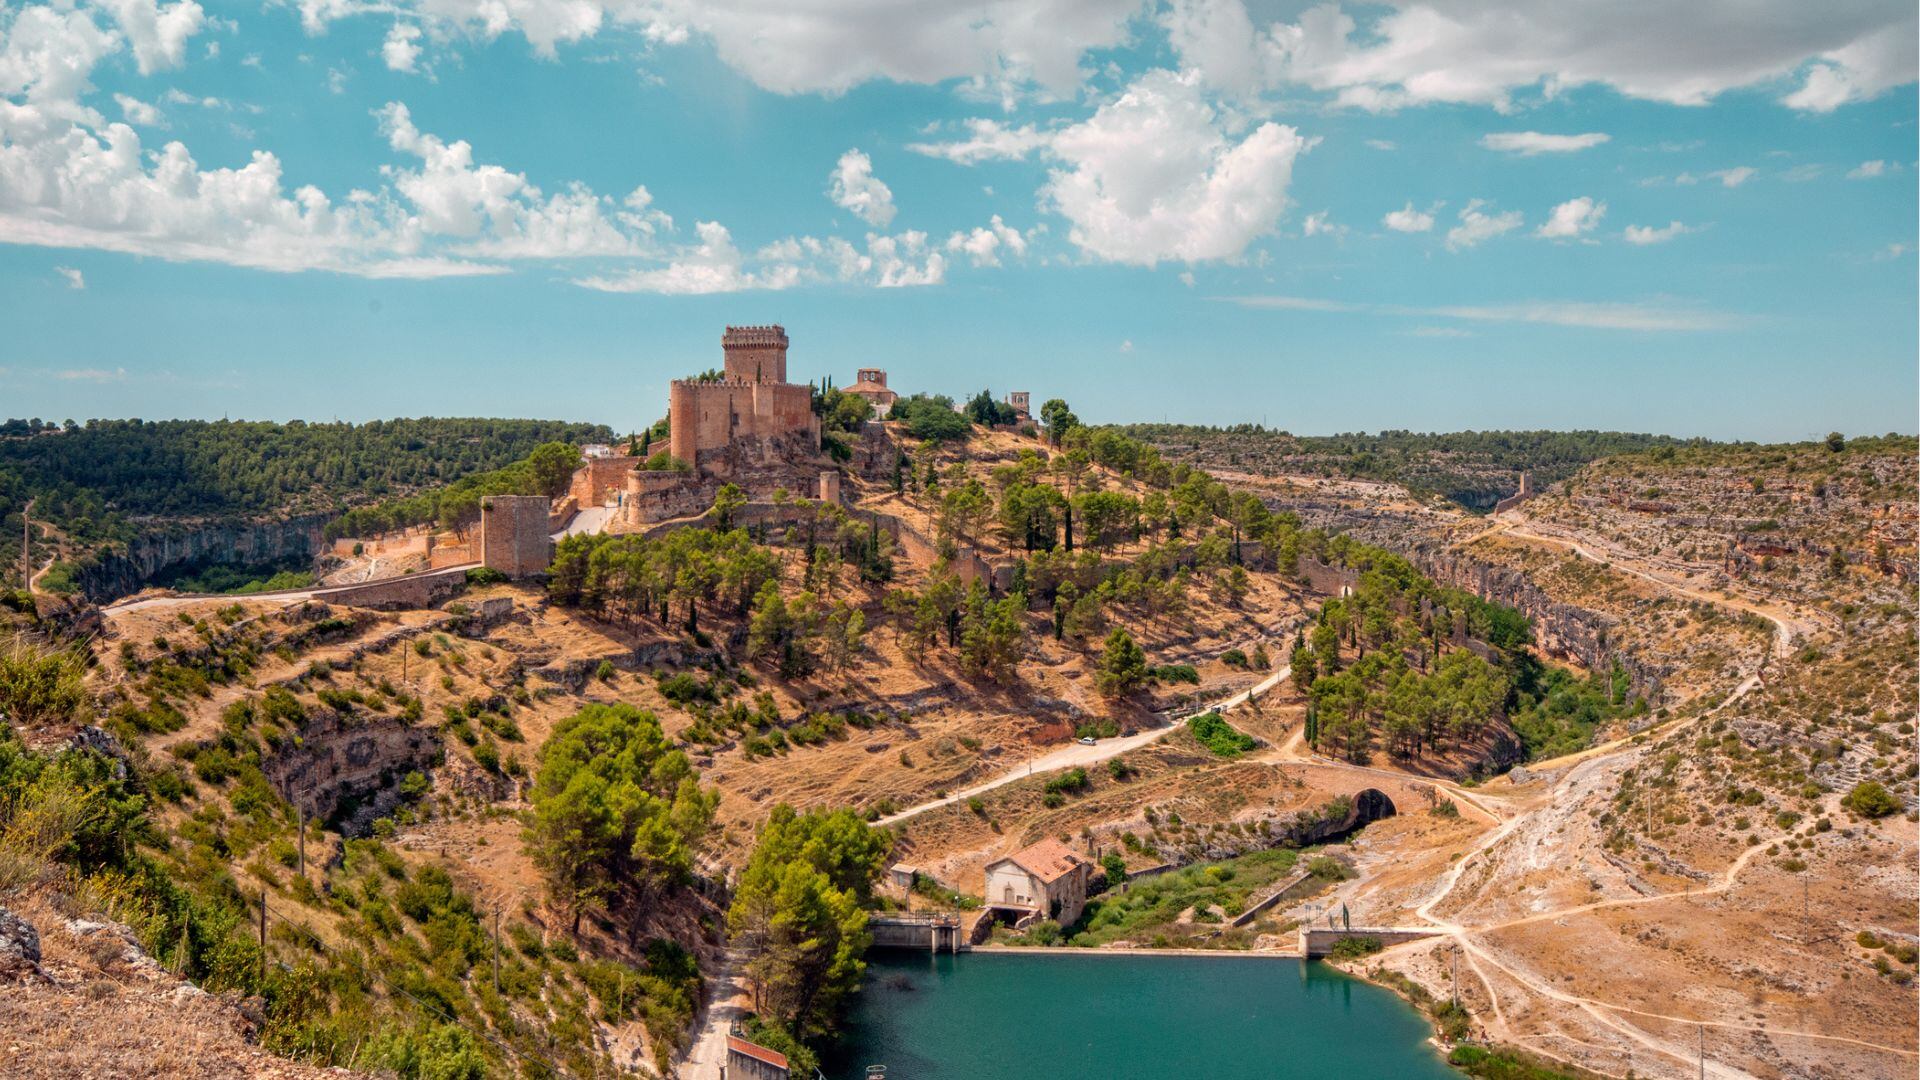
x=1067 y=1015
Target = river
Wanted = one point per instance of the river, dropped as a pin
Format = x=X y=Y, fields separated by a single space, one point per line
x=1067 y=1016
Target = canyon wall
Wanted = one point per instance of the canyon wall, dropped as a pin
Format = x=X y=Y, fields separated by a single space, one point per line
x=111 y=575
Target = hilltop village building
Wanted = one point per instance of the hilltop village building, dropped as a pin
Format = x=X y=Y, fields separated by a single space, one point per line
x=871 y=383
x=1045 y=881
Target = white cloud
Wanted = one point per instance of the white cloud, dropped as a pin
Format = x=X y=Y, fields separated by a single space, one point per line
x=1407 y=219
x=853 y=186
x=1199 y=195
x=1126 y=346
x=1646 y=317
x=1217 y=39
x=497 y=213
x=983 y=245
x=716 y=265
x=74 y=278
x=137 y=111
x=1643 y=235
x=1321 y=225
x=1867 y=170
x=1187 y=278
x=1477 y=227
x=1382 y=144
x=158 y=34
x=986 y=140
x=1732 y=178
x=92 y=375
x=1477 y=52
x=401 y=50
x=1530 y=143
x=1571 y=219
x=995 y=46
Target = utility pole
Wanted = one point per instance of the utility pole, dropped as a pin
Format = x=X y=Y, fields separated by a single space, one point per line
x=263 y=935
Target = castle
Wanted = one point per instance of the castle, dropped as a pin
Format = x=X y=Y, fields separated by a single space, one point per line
x=751 y=401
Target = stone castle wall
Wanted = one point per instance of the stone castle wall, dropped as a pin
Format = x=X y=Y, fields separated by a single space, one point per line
x=598 y=479
x=708 y=416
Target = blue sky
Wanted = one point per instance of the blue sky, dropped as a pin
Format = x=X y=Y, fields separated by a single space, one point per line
x=1697 y=219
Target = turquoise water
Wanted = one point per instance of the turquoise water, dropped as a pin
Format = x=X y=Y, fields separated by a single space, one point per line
x=993 y=1016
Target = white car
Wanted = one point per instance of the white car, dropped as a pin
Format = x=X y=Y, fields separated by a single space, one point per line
x=1086 y=740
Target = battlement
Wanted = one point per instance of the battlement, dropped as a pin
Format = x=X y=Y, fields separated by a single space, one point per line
x=728 y=383
x=774 y=334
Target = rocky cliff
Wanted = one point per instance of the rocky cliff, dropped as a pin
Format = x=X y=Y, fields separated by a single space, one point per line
x=107 y=576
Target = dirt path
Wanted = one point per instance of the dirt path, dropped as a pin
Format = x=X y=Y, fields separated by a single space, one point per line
x=1077 y=754
x=1609 y=1015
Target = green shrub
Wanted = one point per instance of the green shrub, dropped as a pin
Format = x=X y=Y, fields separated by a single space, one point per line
x=1871 y=799
x=1219 y=736
x=1356 y=946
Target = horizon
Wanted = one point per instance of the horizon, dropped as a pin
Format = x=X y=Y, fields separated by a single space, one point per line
x=619 y=433
x=1400 y=216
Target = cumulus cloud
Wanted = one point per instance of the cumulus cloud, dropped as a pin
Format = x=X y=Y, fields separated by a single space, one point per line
x=1407 y=219
x=496 y=213
x=158 y=34
x=1477 y=226
x=1643 y=235
x=853 y=186
x=74 y=278
x=1867 y=170
x=716 y=265
x=1571 y=219
x=401 y=51
x=1732 y=178
x=1530 y=143
x=827 y=47
x=1476 y=52
x=984 y=244
x=1200 y=194
x=1321 y=224
x=137 y=111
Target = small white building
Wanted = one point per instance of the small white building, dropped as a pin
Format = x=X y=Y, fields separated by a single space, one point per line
x=1045 y=881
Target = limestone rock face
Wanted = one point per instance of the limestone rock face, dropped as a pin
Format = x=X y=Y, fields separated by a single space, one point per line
x=19 y=945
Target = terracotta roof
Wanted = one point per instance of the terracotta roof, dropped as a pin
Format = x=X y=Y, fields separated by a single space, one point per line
x=868 y=389
x=1049 y=860
x=738 y=1045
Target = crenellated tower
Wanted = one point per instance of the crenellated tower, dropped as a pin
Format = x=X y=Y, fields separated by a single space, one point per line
x=755 y=354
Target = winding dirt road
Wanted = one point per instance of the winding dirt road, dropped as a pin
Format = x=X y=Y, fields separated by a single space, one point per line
x=1078 y=754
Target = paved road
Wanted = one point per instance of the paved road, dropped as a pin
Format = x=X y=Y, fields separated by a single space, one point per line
x=1077 y=754
x=587 y=522
x=285 y=596
x=729 y=1002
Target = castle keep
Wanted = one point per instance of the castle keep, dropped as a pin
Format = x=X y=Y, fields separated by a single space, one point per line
x=751 y=402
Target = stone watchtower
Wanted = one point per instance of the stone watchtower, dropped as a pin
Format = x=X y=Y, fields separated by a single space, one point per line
x=513 y=534
x=755 y=354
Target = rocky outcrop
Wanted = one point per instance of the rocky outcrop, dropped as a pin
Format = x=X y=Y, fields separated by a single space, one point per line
x=110 y=575
x=1583 y=636
x=346 y=769
x=19 y=946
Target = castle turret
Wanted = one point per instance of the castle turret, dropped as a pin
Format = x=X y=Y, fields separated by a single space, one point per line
x=683 y=420
x=756 y=354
